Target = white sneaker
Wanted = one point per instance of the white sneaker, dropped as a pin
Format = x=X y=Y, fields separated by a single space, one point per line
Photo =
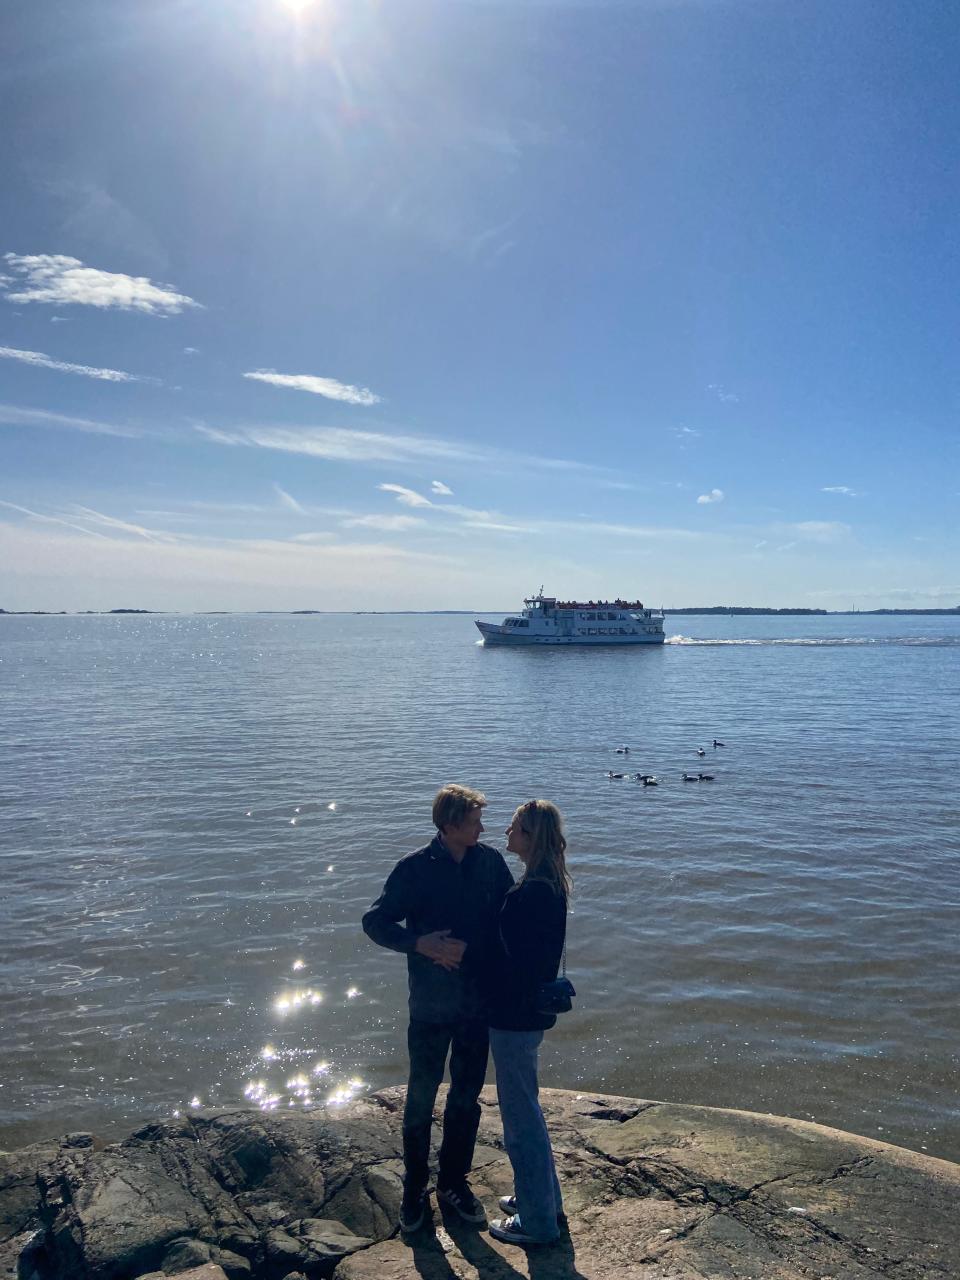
x=510 y=1231
x=509 y=1205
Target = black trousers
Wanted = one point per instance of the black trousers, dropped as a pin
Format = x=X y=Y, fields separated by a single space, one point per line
x=429 y=1042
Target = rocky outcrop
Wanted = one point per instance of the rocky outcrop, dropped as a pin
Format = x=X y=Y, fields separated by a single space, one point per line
x=653 y=1191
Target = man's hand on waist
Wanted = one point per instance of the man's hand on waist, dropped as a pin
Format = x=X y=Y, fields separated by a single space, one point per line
x=441 y=948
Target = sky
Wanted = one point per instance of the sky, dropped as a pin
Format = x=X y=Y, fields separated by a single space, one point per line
x=422 y=304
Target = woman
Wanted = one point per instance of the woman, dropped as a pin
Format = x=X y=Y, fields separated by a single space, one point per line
x=533 y=924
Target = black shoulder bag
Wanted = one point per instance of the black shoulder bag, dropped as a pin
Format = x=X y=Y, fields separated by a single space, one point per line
x=557 y=996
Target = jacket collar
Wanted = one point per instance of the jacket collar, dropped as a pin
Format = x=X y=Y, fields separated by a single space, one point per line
x=439 y=852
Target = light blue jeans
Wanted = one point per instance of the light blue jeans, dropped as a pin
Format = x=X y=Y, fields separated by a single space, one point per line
x=525 y=1131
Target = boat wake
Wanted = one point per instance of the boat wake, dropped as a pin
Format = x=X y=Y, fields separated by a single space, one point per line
x=828 y=642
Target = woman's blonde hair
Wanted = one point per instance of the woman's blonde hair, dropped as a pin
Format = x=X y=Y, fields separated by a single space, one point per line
x=542 y=822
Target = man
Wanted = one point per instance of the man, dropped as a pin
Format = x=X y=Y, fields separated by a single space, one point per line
x=449 y=895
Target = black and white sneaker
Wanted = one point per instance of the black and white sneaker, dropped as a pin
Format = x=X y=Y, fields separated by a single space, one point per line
x=510 y=1231
x=509 y=1205
x=462 y=1200
x=413 y=1210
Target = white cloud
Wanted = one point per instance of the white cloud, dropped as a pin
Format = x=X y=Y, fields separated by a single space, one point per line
x=41 y=361
x=340 y=444
x=722 y=394
x=409 y=497
x=314 y=536
x=59 y=568
x=55 y=278
x=715 y=495
x=933 y=596
x=191 y=351
x=122 y=526
x=820 y=530
x=329 y=387
x=79 y=518
x=389 y=524
x=840 y=488
x=437 y=486
x=685 y=433
x=288 y=500
x=494 y=526
x=13 y=416
x=37 y=515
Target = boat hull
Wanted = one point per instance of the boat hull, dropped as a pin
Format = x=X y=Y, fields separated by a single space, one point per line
x=493 y=634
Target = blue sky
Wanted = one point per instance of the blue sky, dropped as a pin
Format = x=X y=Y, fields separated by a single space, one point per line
x=340 y=304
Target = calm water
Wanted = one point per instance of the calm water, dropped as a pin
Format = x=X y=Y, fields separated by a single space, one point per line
x=194 y=812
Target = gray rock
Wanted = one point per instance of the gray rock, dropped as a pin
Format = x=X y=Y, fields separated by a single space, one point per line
x=209 y=1271
x=653 y=1191
x=185 y=1253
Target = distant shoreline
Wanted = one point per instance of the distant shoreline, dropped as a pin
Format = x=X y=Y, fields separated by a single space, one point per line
x=730 y=611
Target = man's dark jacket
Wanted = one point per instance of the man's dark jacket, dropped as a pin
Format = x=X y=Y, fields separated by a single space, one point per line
x=428 y=890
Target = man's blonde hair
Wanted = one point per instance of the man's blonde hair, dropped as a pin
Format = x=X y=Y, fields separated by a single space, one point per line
x=452 y=803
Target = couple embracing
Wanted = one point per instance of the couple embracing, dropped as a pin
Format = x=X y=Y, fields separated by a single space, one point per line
x=479 y=948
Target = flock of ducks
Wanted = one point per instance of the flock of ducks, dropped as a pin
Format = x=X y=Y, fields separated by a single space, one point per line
x=651 y=780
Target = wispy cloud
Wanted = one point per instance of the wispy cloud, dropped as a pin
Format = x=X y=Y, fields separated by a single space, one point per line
x=46 y=519
x=13 y=416
x=122 y=526
x=462 y=517
x=819 y=530
x=41 y=361
x=715 y=495
x=388 y=524
x=722 y=394
x=80 y=518
x=437 y=486
x=328 y=387
x=840 y=488
x=316 y=535
x=341 y=444
x=931 y=595
x=685 y=433
x=64 y=281
x=288 y=500
x=409 y=497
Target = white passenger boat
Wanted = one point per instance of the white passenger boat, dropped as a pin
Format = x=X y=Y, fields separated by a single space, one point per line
x=547 y=620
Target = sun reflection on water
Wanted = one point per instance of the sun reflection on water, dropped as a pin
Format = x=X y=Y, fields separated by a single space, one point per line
x=294 y=1000
x=288 y=1071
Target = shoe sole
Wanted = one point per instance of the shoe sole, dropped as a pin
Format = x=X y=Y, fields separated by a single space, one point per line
x=407 y=1229
x=510 y=1237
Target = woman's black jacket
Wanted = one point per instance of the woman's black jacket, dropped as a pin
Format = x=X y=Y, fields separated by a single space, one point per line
x=533 y=924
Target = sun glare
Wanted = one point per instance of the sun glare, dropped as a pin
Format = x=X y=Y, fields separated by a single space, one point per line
x=296 y=6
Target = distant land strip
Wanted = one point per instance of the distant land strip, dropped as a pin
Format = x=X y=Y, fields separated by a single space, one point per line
x=730 y=610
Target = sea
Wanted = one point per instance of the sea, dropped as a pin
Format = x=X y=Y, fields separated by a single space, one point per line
x=195 y=811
